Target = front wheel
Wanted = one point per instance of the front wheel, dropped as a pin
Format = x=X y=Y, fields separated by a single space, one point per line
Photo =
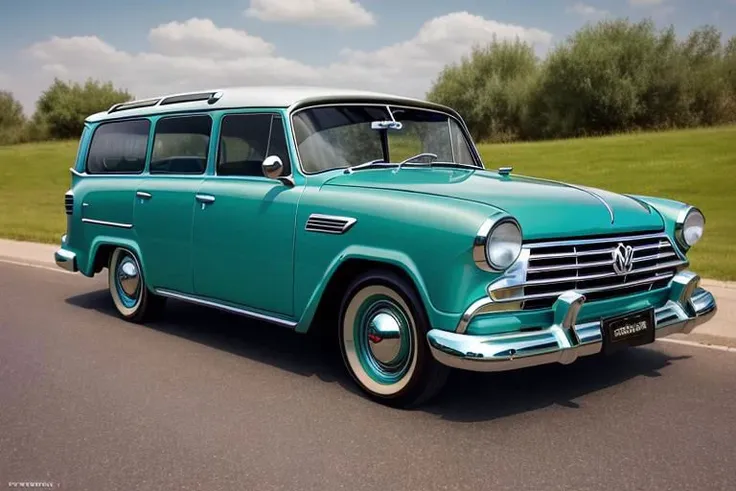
x=383 y=342
x=128 y=289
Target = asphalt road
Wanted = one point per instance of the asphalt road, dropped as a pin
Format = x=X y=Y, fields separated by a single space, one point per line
x=206 y=400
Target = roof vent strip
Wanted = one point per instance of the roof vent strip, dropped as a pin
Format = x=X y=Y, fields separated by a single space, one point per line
x=210 y=97
x=123 y=106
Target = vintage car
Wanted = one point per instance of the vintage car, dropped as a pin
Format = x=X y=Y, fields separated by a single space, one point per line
x=371 y=217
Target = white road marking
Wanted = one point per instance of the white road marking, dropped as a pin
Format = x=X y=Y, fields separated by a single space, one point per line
x=717 y=347
x=33 y=265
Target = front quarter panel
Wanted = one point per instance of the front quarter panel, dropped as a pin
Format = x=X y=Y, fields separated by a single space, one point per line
x=428 y=237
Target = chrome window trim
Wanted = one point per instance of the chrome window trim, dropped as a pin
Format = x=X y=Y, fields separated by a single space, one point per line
x=105 y=223
x=299 y=107
x=152 y=143
x=227 y=308
x=149 y=147
x=273 y=113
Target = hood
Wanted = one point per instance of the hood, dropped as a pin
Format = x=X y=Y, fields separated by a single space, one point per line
x=545 y=209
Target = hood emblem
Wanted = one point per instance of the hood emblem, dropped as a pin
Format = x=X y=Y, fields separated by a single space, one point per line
x=623 y=259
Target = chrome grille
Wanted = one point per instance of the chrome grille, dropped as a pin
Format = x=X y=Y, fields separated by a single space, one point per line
x=587 y=266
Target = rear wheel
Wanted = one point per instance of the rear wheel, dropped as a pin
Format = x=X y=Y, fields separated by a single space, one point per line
x=129 y=292
x=382 y=333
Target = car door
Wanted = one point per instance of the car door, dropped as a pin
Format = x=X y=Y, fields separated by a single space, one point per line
x=244 y=231
x=166 y=199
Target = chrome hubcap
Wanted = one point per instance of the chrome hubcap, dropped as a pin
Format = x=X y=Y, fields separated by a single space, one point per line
x=129 y=276
x=385 y=339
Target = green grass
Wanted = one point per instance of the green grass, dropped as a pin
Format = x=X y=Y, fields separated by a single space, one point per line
x=694 y=166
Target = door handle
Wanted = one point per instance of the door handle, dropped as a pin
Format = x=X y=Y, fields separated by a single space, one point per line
x=205 y=199
x=143 y=195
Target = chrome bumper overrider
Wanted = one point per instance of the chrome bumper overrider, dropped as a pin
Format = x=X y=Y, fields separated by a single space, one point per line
x=565 y=340
x=66 y=260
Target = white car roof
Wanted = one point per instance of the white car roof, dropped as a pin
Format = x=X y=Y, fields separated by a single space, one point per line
x=246 y=97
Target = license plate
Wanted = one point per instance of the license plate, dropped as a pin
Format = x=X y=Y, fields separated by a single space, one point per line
x=628 y=330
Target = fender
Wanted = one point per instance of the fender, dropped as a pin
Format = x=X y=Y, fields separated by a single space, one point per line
x=107 y=240
x=437 y=318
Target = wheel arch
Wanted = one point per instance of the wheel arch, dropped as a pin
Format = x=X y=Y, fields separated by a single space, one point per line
x=101 y=249
x=326 y=299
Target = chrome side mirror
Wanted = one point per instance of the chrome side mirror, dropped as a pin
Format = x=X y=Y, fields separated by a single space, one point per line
x=272 y=167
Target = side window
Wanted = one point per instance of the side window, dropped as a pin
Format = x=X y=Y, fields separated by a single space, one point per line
x=245 y=142
x=181 y=144
x=460 y=146
x=119 y=148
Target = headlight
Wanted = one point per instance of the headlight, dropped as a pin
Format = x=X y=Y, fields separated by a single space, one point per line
x=689 y=228
x=498 y=244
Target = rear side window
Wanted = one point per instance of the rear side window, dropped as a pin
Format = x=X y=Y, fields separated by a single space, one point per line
x=181 y=144
x=119 y=148
x=245 y=142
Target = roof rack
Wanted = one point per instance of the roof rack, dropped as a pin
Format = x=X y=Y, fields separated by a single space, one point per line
x=133 y=105
x=210 y=97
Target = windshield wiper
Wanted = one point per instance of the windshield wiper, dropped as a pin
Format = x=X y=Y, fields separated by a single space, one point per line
x=432 y=156
x=454 y=164
x=366 y=165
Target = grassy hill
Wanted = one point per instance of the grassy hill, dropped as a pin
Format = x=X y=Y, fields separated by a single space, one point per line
x=695 y=166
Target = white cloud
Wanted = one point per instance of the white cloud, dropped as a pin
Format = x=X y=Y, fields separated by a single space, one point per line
x=645 y=3
x=183 y=57
x=201 y=37
x=340 y=13
x=587 y=10
x=440 y=41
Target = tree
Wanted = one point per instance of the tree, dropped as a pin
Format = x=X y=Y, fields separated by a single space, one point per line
x=12 y=119
x=63 y=107
x=490 y=88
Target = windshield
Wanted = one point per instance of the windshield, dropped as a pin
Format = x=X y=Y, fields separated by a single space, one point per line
x=341 y=136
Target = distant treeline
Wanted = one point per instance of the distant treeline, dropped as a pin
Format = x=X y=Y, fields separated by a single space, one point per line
x=60 y=111
x=610 y=77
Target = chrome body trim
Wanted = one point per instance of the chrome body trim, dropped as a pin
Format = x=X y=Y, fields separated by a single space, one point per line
x=66 y=259
x=565 y=340
x=329 y=224
x=481 y=239
x=597 y=240
x=227 y=308
x=204 y=198
x=680 y=224
x=507 y=292
x=107 y=224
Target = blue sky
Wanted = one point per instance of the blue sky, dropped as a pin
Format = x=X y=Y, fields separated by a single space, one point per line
x=155 y=46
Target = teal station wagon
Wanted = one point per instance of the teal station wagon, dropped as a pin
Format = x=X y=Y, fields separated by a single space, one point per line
x=371 y=217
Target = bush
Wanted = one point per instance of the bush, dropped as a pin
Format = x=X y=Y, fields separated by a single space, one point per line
x=490 y=88
x=12 y=119
x=614 y=76
x=63 y=107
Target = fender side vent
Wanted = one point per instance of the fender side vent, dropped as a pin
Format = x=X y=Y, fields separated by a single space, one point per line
x=69 y=203
x=329 y=224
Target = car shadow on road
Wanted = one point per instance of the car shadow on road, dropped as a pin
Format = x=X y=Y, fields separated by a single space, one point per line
x=468 y=396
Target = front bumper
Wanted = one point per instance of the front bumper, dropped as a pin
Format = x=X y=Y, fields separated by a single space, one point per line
x=565 y=341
